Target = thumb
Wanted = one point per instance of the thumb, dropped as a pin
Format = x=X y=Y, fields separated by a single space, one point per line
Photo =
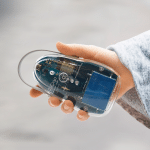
x=85 y=51
x=89 y=52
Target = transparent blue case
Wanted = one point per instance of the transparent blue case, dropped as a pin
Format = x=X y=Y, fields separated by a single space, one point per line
x=90 y=85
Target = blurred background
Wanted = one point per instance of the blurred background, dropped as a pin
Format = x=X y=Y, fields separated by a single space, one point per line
x=27 y=123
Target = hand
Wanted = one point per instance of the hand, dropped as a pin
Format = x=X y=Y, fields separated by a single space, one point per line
x=101 y=55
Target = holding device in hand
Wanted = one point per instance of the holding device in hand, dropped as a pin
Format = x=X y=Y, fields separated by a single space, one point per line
x=90 y=85
x=97 y=56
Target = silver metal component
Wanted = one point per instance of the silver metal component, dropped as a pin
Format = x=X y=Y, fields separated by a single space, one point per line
x=85 y=108
x=89 y=74
x=78 y=70
x=71 y=80
x=63 y=77
x=79 y=98
x=52 y=72
x=77 y=82
x=101 y=69
x=111 y=75
x=97 y=110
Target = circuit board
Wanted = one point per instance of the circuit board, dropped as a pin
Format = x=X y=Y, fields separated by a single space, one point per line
x=88 y=85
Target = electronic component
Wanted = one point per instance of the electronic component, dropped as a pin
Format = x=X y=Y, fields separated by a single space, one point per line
x=76 y=82
x=52 y=72
x=71 y=80
x=38 y=67
x=90 y=85
x=63 y=77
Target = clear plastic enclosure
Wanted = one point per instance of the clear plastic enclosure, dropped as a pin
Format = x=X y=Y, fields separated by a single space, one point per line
x=90 y=85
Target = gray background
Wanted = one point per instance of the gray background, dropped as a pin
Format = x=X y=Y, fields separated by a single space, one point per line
x=27 y=123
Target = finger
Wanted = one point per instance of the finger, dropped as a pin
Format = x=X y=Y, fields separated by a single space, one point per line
x=75 y=49
x=35 y=93
x=82 y=115
x=67 y=107
x=86 y=51
x=54 y=101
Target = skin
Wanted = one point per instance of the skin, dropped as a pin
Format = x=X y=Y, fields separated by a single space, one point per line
x=98 y=54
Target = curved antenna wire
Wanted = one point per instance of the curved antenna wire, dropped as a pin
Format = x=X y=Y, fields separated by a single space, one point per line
x=19 y=66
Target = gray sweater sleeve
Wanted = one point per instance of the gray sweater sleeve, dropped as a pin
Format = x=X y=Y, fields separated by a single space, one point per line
x=134 y=54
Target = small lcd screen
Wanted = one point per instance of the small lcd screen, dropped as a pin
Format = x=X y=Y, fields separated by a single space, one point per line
x=98 y=91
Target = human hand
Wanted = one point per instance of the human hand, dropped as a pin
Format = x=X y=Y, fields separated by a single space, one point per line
x=98 y=54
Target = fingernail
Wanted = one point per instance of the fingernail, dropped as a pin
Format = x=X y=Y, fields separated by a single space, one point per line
x=50 y=104
x=66 y=107
x=80 y=116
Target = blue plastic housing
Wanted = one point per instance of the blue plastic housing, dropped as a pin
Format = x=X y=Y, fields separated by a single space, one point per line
x=98 y=91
